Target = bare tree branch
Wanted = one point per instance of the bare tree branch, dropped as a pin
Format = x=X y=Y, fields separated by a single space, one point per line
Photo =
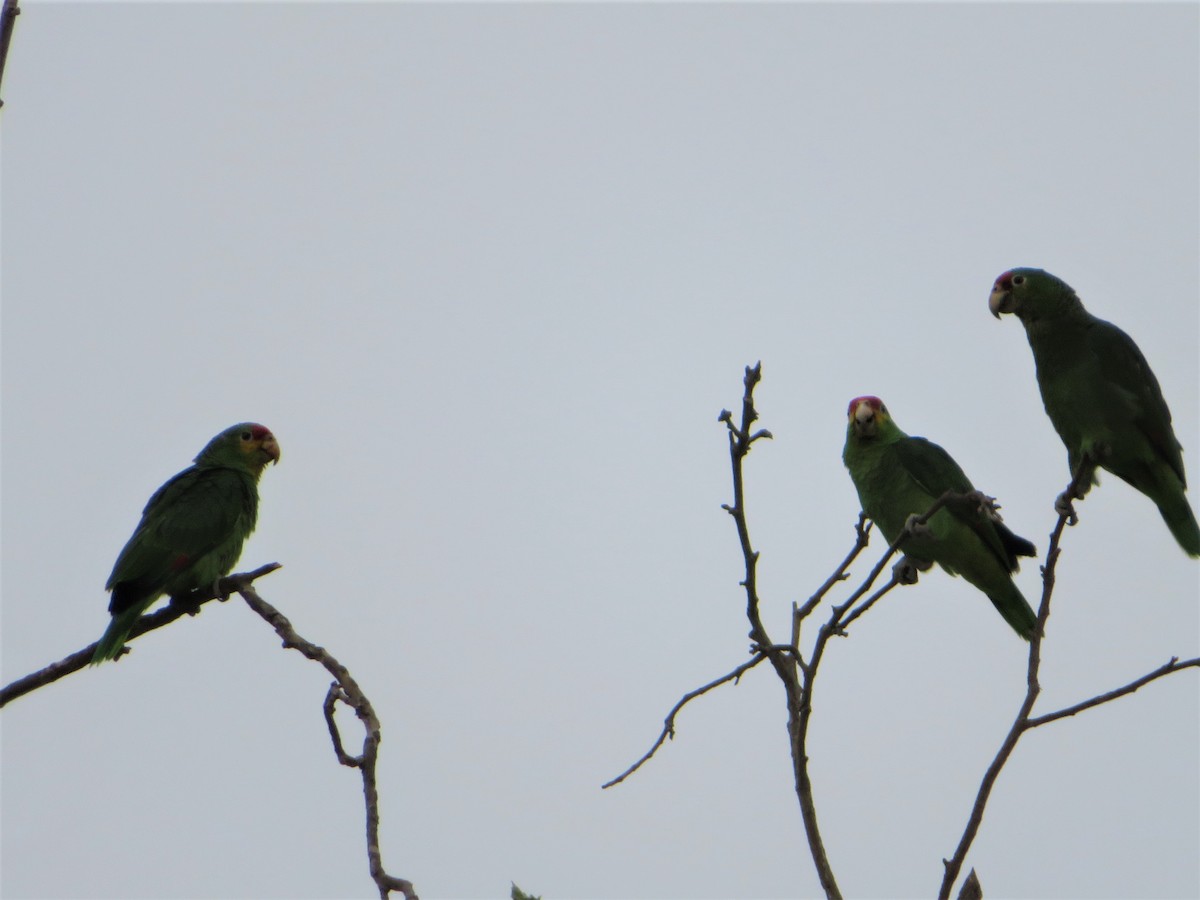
x=346 y=690
x=178 y=607
x=954 y=865
x=786 y=664
x=1024 y=721
x=797 y=675
x=8 y=18
x=862 y=532
x=1167 y=668
x=669 y=723
x=868 y=603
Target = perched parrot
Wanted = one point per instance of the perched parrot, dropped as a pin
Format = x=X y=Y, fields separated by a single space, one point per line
x=898 y=477
x=1100 y=395
x=192 y=530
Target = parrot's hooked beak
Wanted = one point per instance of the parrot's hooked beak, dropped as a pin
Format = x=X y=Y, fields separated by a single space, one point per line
x=270 y=446
x=1001 y=300
x=864 y=420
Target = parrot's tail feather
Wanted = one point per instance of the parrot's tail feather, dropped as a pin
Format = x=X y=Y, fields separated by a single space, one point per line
x=113 y=640
x=1011 y=604
x=1182 y=521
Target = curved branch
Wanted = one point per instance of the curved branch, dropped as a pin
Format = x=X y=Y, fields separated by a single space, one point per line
x=346 y=690
x=177 y=608
x=669 y=723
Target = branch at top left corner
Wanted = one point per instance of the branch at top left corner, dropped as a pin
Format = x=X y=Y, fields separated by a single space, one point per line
x=8 y=18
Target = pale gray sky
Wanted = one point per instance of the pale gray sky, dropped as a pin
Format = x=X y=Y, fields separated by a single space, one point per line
x=489 y=273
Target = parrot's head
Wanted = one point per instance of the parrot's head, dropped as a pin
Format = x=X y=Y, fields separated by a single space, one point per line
x=1031 y=294
x=867 y=417
x=247 y=445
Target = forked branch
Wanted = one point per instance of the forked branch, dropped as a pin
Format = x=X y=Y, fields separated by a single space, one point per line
x=1024 y=720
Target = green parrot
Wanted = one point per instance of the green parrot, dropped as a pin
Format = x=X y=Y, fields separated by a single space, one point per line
x=899 y=477
x=192 y=530
x=1100 y=395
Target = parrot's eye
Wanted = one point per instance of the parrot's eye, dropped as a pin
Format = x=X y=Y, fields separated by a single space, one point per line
x=1018 y=280
x=246 y=435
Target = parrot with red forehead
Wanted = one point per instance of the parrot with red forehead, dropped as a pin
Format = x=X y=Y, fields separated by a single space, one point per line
x=1100 y=395
x=898 y=477
x=192 y=529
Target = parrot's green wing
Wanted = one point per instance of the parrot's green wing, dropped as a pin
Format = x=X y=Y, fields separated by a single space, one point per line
x=932 y=467
x=897 y=476
x=191 y=534
x=187 y=518
x=1101 y=396
x=192 y=529
x=937 y=472
x=1126 y=369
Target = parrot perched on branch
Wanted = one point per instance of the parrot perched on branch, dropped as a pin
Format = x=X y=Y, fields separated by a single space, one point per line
x=898 y=477
x=1100 y=395
x=192 y=530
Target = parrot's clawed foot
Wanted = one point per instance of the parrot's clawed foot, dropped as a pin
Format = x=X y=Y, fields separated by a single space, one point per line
x=905 y=571
x=1064 y=506
x=985 y=505
x=190 y=602
x=916 y=528
x=217 y=592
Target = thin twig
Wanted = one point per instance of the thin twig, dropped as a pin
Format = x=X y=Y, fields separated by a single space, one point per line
x=176 y=609
x=862 y=535
x=669 y=723
x=1167 y=668
x=346 y=690
x=868 y=603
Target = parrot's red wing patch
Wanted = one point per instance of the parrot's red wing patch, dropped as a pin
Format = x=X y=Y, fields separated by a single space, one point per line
x=180 y=562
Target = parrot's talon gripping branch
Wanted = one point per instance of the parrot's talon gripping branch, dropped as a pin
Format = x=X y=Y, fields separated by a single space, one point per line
x=1064 y=503
x=189 y=603
x=905 y=571
x=1064 y=506
x=986 y=506
x=914 y=526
